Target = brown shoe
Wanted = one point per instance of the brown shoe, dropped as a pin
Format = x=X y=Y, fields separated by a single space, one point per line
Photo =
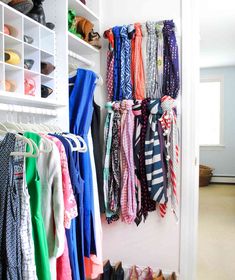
x=173 y=276
x=84 y=27
x=158 y=276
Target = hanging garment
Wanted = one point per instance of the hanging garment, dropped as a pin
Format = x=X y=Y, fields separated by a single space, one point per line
x=108 y=128
x=136 y=148
x=151 y=90
x=160 y=53
x=117 y=90
x=39 y=234
x=10 y=247
x=80 y=112
x=94 y=264
x=70 y=208
x=114 y=190
x=74 y=234
x=170 y=129
x=108 y=34
x=137 y=65
x=52 y=199
x=146 y=203
x=128 y=195
x=153 y=159
x=126 y=85
x=171 y=81
x=95 y=130
x=26 y=238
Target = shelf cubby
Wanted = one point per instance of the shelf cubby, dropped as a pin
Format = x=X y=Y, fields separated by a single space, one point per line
x=15 y=75
x=47 y=40
x=2 y=77
x=31 y=29
x=14 y=45
x=46 y=57
x=37 y=80
x=32 y=53
x=1 y=47
x=49 y=82
x=15 y=21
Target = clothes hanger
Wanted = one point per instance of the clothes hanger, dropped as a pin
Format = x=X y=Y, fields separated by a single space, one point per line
x=99 y=80
x=74 y=138
x=84 y=146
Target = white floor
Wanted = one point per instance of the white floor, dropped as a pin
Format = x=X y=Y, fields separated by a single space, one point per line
x=216 y=242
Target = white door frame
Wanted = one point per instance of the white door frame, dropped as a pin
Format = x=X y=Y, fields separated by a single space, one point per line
x=190 y=150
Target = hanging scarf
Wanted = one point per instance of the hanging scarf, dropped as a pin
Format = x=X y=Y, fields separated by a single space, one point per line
x=115 y=172
x=108 y=34
x=160 y=50
x=170 y=129
x=126 y=86
x=117 y=91
x=146 y=203
x=153 y=158
x=128 y=195
x=171 y=83
x=136 y=143
x=107 y=149
x=151 y=60
x=137 y=65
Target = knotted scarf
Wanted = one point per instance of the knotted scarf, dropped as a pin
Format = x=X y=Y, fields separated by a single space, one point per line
x=170 y=131
x=128 y=195
x=171 y=83
x=146 y=203
x=115 y=172
x=117 y=91
x=137 y=65
x=126 y=86
x=153 y=158
x=151 y=60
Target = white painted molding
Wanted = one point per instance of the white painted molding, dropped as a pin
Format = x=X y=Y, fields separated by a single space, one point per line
x=190 y=151
x=223 y=179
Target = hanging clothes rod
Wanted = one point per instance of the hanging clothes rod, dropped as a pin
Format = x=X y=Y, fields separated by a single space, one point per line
x=81 y=58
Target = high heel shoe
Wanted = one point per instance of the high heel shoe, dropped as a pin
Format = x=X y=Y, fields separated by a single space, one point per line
x=158 y=276
x=118 y=273
x=147 y=274
x=173 y=276
x=108 y=271
x=134 y=274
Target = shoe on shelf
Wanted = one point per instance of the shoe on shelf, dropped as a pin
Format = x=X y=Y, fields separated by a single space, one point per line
x=28 y=39
x=45 y=91
x=10 y=86
x=107 y=271
x=173 y=276
x=23 y=6
x=134 y=273
x=29 y=86
x=158 y=276
x=147 y=274
x=83 y=27
x=37 y=13
x=118 y=273
x=10 y=30
x=47 y=68
x=28 y=64
x=11 y=57
x=94 y=39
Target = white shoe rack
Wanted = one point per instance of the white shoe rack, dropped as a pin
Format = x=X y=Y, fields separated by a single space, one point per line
x=41 y=50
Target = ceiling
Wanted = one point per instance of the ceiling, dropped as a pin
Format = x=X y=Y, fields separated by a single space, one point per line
x=217 y=33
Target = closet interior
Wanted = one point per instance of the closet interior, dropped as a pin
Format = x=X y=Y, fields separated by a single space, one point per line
x=42 y=77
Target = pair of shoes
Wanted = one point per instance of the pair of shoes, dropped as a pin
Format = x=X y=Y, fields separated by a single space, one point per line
x=158 y=276
x=45 y=91
x=94 y=39
x=47 y=68
x=173 y=276
x=136 y=273
x=112 y=273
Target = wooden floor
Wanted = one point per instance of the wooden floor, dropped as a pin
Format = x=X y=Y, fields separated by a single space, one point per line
x=216 y=242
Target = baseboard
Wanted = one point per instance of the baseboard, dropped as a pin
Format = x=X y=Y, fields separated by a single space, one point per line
x=223 y=179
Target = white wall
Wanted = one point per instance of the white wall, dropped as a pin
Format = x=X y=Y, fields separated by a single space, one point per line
x=156 y=242
x=223 y=159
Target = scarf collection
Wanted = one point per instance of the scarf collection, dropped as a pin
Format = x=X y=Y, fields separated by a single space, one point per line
x=141 y=155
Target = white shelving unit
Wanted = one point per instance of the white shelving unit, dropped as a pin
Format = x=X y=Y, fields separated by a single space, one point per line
x=41 y=50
